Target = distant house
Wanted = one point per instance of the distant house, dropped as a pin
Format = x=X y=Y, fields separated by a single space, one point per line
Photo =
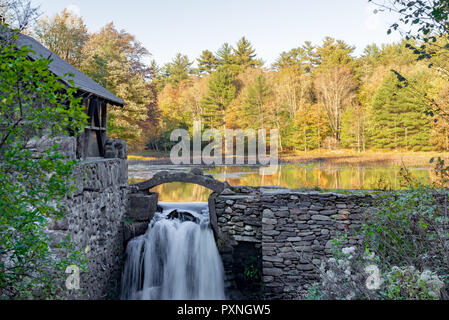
x=91 y=142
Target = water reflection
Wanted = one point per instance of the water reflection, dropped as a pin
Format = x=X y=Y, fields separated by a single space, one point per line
x=288 y=175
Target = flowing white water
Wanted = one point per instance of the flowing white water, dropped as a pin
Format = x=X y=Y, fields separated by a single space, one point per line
x=174 y=259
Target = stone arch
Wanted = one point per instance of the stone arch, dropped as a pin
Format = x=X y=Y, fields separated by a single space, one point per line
x=195 y=176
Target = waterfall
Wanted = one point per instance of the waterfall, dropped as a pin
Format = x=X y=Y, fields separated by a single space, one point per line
x=176 y=259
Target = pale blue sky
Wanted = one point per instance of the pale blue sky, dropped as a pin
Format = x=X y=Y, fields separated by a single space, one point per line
x=166 y=27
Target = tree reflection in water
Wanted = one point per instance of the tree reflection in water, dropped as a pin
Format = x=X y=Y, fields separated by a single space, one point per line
x=292 y=176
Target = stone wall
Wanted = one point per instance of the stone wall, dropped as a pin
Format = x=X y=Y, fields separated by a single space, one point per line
x=294 y=229
x=141 y=209
x=94 y=221
x=239 y=219
x=298 y=229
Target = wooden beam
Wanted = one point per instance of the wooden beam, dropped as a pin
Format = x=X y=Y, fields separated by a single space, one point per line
x=96 y=116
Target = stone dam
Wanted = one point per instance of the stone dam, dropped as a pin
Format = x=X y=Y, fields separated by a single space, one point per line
x=284 y=234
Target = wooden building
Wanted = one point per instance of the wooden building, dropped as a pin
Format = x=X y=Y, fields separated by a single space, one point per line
x=91 y=142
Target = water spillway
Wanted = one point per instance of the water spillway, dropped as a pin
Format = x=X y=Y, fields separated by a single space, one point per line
x=176 y=259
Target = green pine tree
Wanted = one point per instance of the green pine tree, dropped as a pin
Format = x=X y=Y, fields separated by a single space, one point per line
x=207 y=62
x=256 y=103
x=225 y=55
x=335 y=53
x=245 y=54
x=179 y=69
x=221 y=93
x=399 y=115
x=305 y=58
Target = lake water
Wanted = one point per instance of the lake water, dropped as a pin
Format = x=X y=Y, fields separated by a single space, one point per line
x=296 y=175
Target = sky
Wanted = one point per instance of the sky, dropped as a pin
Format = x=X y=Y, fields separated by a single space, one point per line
x=166 y=27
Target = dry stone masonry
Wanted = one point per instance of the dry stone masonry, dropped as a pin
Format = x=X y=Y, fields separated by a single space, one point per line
x=285 y=234
x=141 y=209
x=293 y=229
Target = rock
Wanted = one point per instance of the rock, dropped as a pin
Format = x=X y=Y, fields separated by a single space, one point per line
x=183 y=216
x=305 y=267
x=252 y=221
x=328 y=212
x=276 y=272
x=222 y=220
x=289 y=255
x=66 y=145
x=267 y=213
x=228 y=210
x=272 y=259
x=282 y=214
x=269 y=221
x=270 y=232
x=109 y=149
x=227 y=191
x=122 y=149
x=142 y=207
x=320 y=217
x=197 y=171
x=134 y=229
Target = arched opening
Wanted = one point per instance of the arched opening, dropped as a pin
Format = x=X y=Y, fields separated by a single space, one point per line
x=182 y=192
x=180 y=239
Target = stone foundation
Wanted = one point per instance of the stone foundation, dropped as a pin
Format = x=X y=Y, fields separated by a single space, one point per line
x=94 y=221
x=294 y=230
x=141 y=209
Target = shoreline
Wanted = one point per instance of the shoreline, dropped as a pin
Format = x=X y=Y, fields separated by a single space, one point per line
x=397 y=159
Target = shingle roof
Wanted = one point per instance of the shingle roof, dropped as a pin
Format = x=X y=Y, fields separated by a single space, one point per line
x=60 y=67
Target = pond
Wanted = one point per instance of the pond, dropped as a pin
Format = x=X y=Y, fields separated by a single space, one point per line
x=292 y=175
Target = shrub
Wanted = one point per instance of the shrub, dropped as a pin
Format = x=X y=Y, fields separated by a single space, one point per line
x=410 y=284
x=33 y=103
x=409 y=229
x=343 y=276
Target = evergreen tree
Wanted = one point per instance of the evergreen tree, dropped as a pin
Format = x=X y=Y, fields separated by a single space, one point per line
x=245 y=55
x=303 y=57
x=207 y=62
x=373 y=53
x=256 y=103
x=179 y=69
x=399 y=116
x=225 y=55
x=353 y=132
x=311 y=58
x=156 y=71
x=291 y=58
x=334 y=53
x=220 y=94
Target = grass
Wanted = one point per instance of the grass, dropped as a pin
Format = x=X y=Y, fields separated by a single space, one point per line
x=375 y=157
x=143 y=158
x=147 y=155
x=380 y=157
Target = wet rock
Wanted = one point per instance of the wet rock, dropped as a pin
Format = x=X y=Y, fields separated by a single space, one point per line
x=183 y=216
